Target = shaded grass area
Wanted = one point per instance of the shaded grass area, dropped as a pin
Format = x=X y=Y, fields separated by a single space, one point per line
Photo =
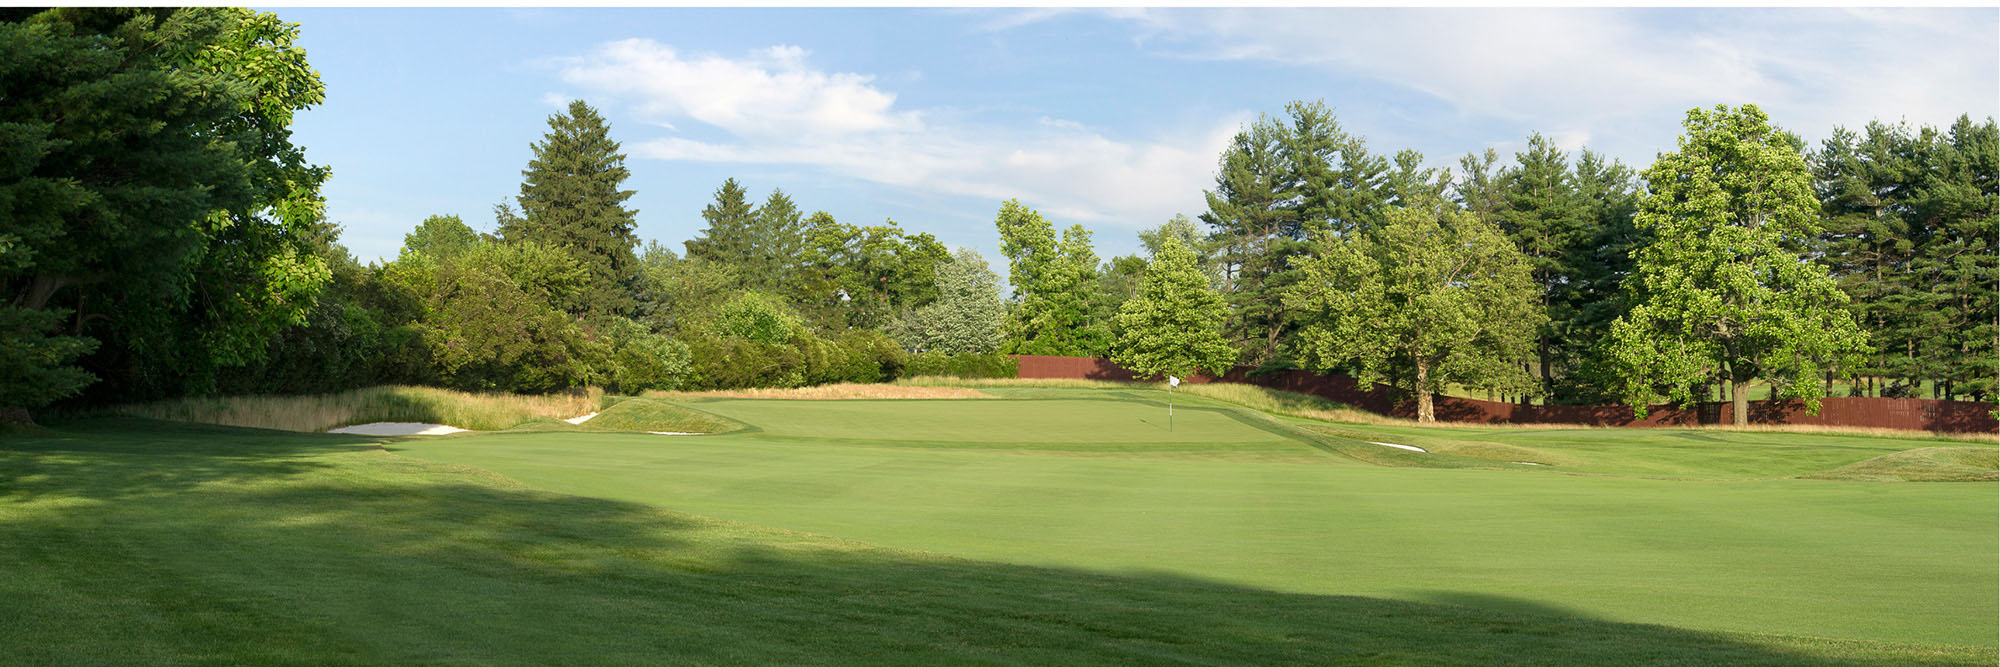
x=319 y=412
x=133 y=542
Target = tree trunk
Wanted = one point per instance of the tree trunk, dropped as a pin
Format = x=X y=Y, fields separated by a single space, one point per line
x=1425 y=413
x=1548 y=382
x=1739 y=402
x=16 y=417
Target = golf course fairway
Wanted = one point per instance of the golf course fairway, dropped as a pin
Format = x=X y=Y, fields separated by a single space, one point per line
x=1036 y=526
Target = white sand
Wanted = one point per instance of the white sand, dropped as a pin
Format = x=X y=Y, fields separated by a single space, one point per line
x=579 y=420
x=1391 y=444
x=397 y=428
x=673 y=433
x=1525 y=463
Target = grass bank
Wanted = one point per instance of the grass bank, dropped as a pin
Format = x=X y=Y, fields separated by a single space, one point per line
x=319 y=412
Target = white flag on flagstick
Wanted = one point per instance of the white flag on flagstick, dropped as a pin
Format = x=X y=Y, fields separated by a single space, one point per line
x=1173 y=381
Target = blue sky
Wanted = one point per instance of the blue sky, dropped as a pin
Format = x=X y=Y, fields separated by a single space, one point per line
x=1109 y=118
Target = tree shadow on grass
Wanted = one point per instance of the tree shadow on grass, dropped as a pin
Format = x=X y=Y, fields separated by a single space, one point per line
x=358 y=556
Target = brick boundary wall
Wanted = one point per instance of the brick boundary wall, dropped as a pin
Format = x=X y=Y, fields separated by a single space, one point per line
x=1916 y=414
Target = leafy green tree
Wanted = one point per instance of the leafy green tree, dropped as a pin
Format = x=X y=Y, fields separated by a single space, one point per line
x=1724 y=289
x=1055 y=284
x=968 y=312
x=642 y=360
x=1432 y=297
x=492 y=319
x=1173 y=325
x=863 y=276
x=570 y=199
x=152 y=195
x=441 y=236
x=1183 y=229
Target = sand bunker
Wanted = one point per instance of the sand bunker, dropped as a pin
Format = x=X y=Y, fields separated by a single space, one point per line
x=674 y=433
x=579 y=420
x=1391 y=444
x=397 y=428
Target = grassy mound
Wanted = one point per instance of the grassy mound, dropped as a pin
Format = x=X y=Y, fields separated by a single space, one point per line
x=648 y=414
x=1287 y=403
x=1924 y=464
x=319 y=412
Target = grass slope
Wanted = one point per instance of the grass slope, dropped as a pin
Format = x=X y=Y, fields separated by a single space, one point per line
x=136 y=542
x=1729 y=544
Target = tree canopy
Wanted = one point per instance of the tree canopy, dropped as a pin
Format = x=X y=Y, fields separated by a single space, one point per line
x=1726 y=289
x=1173 y=324
x=1432 y=297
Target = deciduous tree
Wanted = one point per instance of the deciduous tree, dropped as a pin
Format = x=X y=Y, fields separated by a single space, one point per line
x=1432 y=297
x=1173 y=325
x=1725 y=290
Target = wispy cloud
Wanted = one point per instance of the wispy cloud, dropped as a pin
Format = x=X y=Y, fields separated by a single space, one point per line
x=1598 y=72
x=773 y=107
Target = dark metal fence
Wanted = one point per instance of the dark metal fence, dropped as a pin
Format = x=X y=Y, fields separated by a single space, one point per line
x=1897 y=413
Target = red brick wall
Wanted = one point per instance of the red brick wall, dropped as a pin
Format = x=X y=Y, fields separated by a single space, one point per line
x=1897 y=413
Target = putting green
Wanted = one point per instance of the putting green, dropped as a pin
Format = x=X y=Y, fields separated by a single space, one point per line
x=989 y=421
x=1908 y=563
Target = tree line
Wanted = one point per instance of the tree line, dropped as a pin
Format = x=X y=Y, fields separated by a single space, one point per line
x=171 y=241
x=1742 y=257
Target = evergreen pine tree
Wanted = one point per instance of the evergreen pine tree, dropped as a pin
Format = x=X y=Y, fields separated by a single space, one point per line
x=730 y=238
x=570 y=200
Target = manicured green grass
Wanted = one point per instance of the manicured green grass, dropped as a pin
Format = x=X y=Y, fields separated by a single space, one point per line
x=142 y=542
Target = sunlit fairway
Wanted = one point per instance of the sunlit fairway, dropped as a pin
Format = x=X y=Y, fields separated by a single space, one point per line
x=1039 y=525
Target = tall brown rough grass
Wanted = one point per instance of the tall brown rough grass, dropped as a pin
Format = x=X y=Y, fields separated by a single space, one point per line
x=313 y=413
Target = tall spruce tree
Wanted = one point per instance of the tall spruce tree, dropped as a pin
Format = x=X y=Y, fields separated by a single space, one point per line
x=1544 y=218
x=1725 y=289
x=1277 y=183
x=730 y=237
x=777 y=236
x=570 y=199
x=1609 y=194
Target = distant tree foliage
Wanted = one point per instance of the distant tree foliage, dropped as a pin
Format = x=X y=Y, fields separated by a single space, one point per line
x=441 y=236
x=1433 y=296
x=1278 y=183
x=1173 y=325
x=967 y=315
x=1055 y=287
x=729 y=237
x=1725 y=290
x=1910 y=215
x=570 y=200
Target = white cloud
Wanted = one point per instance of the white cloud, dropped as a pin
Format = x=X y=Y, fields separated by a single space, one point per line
x=773 y=107
x=1605 y=72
